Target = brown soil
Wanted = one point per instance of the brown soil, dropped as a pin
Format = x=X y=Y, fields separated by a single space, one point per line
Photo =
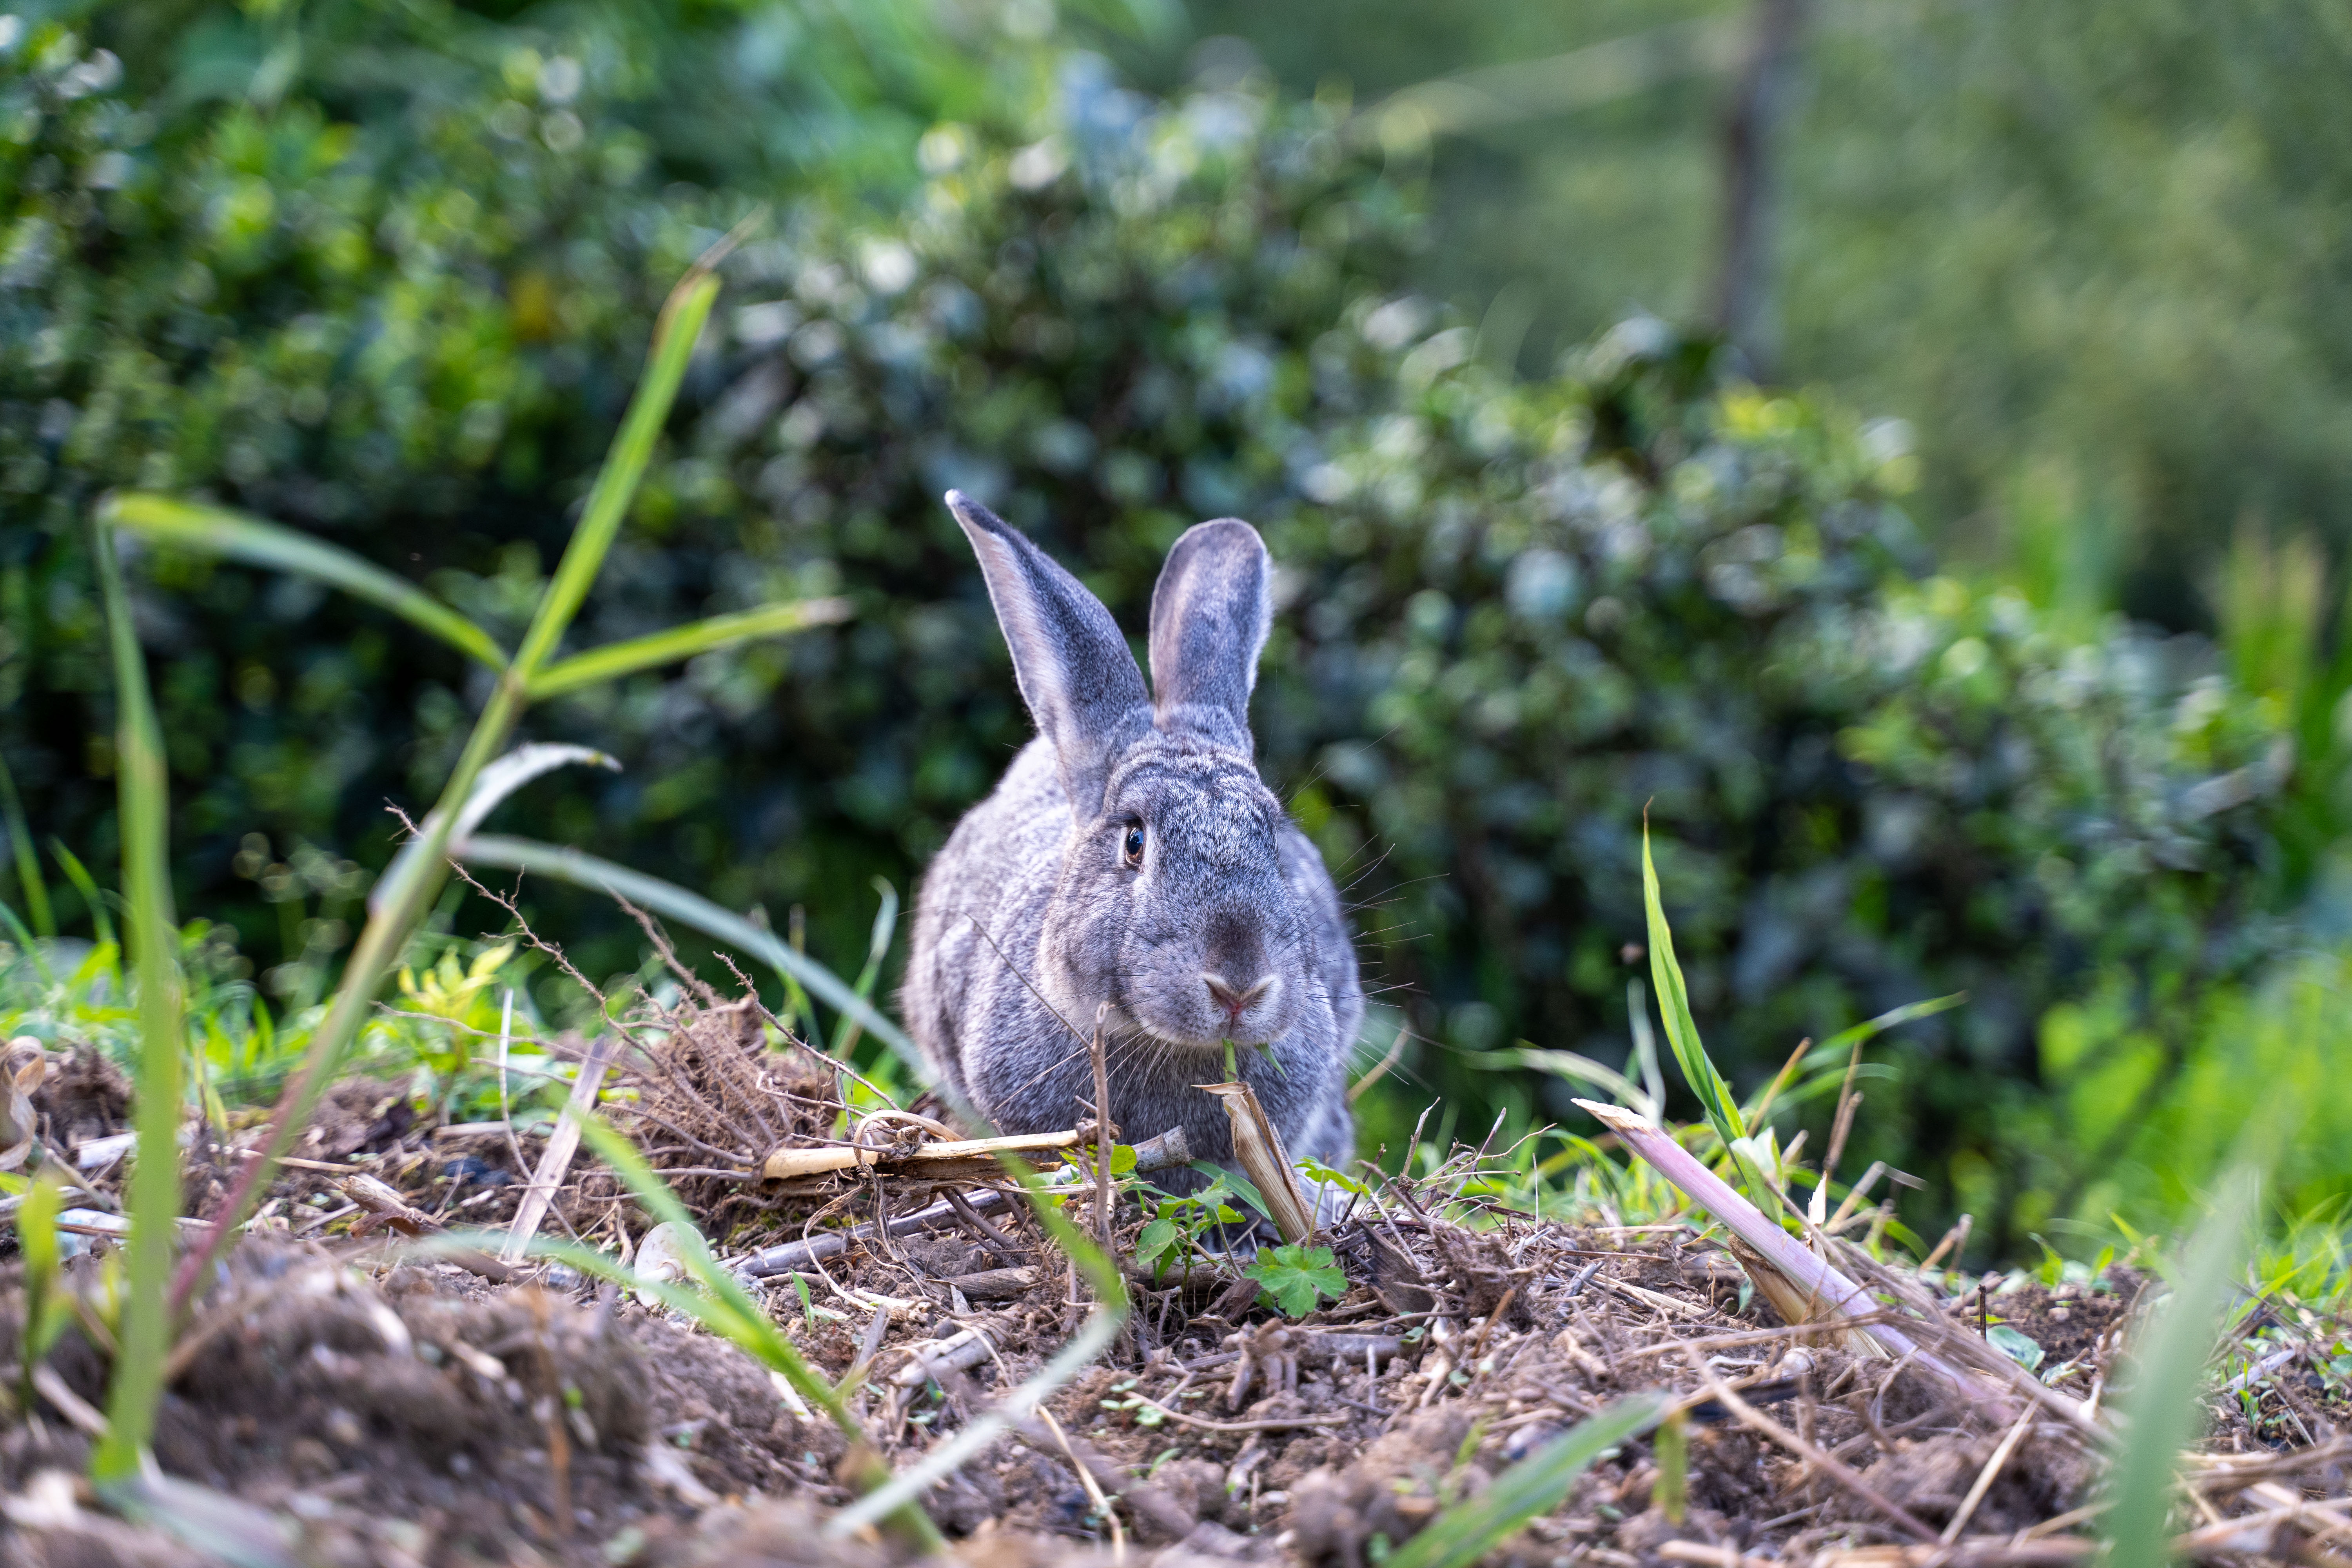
x=373 y=1408
x=411 y=1414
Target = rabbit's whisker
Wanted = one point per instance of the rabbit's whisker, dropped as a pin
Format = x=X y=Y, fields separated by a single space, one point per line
x=1371 y=866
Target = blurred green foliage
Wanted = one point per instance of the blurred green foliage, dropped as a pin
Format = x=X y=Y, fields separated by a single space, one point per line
x=2095 y=241
x=381 y=275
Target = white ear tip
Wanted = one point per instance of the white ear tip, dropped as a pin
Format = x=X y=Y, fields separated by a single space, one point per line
x=975 y=517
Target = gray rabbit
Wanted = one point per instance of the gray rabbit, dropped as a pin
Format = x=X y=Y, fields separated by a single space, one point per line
x=1132 y=856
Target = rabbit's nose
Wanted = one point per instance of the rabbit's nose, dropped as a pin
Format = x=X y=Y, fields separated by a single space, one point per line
x=1235 y=999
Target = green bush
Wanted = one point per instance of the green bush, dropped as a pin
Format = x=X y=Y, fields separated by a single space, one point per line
x=1514 y=617
x=1558 y=608
x=418 y=351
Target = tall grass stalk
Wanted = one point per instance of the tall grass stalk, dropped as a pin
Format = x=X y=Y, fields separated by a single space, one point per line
x=1714 y=1095
x=153 y=1197
x=35 y=891
x=2168 y=1375
x=418 y=878
x=417 y=881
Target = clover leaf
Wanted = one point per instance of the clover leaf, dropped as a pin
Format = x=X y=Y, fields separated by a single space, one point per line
x=1296 y=1278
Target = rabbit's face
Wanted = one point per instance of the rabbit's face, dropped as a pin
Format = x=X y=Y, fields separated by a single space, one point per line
x=1180 y=915
x=1174 y=906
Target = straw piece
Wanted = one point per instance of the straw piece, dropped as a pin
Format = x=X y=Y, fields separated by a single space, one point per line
x=788 y=1162
x=1258 y=1150
x=555 y=1159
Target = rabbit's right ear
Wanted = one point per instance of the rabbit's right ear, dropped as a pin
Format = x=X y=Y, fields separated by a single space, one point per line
x=1210 y=611
x=1076 y=672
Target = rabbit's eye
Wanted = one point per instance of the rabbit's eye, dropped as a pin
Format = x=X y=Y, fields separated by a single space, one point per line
x=1132 y=845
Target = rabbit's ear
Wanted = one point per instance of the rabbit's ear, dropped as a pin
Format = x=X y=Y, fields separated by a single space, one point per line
x=1210 y=613
x=1076 y=672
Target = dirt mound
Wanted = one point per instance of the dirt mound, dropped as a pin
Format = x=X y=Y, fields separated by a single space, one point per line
x=421 y=1417
x=353 y=1401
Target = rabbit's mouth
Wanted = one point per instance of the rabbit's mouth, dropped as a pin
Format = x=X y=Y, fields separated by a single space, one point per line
x=1209 y=1033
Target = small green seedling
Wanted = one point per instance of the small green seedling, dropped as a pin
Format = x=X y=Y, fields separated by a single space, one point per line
x=1317 y=1171
x=1145 y=1414
x=1177 y=1224
x=808 y=1303
x=1296 y=1278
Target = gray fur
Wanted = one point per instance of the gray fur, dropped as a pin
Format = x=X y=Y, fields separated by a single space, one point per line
x=1228 y=887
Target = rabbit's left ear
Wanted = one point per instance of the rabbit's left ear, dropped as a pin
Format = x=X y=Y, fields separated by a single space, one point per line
x=1210 y=614
x=1075 y=669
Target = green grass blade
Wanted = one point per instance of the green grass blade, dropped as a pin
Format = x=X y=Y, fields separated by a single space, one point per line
x=1671 y=1449
x=1800 y=1081
x=233 y=536
x=28 y=860
x=2169 y=1374
x=673 y=902
x=1537 y=1484
x=86 y=886
x=687 y=1300
x=614 y=661
x=152 y=1196
x=1870 y=1028
x=1572 y=1068
x=1714 y=1095
x=756 y=1337
x=674 y=334
x=726 y=1307
x=877 y=948
x=27 y=944
x=800 y=1013
x=1674 y=1008
x=496 y=781
x=1645 y=1045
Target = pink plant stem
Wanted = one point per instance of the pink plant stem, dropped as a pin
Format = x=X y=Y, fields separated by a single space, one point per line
x=1784 y=1252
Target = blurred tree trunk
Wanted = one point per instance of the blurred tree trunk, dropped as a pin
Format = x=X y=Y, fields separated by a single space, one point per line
x=1744 y=279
